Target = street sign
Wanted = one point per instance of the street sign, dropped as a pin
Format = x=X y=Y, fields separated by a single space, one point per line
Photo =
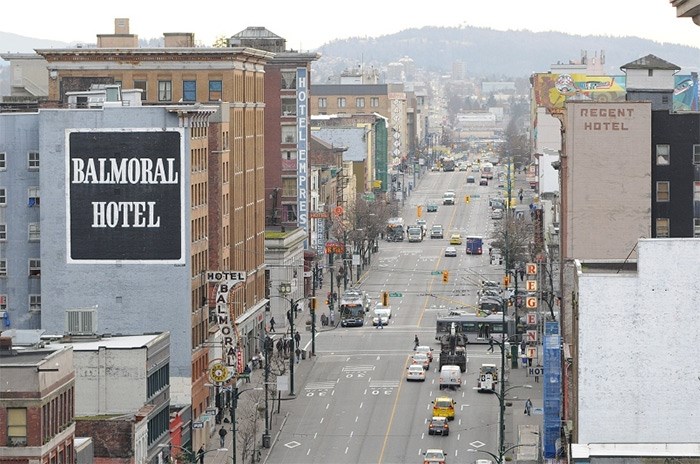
x=532 y=336
x=531 y=285
x=531 y=302
x=535 y=370
x=396 y=294
x=436 y=273
x=531 y=318
x=197 y=425
x=211 y=411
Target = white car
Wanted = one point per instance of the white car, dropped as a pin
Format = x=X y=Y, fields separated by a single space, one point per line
x=380 y=317
x=386 y=310
x=451 y=251
x=434 y=456
x=415 y=372
x=427 y=350
x=421 y=359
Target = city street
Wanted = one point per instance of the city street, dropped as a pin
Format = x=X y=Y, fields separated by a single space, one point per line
x=354 y=404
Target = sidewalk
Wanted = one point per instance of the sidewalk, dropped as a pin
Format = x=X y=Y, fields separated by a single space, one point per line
x=522 y=429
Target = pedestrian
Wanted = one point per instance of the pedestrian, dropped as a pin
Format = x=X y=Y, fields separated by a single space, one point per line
x=222 y=437
x=286 y=347
x=200 y=454
x=280 y=346
x=247 y=372
x=537 y=373
x=521 y=198
x=528 y=406
x=297 y=353
x=332 y=318
x=297 y=338
x=490 y=350
x=521 y=272
x=416 y=343
x=522 y=346
x=272 y=324
x=320 y=280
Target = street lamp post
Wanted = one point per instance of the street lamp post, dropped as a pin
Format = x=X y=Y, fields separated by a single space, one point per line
x=502 y=403
x=285 y=289
x=501 y=454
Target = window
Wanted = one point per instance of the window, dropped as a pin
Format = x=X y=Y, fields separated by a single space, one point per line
x=33 y=160
x=141 y=85
x=289 y=134
x=165 y=90
x=323 y=102
x=215 y=90
x=696 y=154
x=342 y=103
x=662 y=227
x=289 y=80
x=35 y=302
x=696 y=191
x=3 y=302
x=3 y=161
x=374 y=102
x=289 y=155
x=3 y=197
x=34 y=232
x=289 y=187
x=34 y=199
x=3 y=268
x=289 y=107
x=696 y=227
x=664 y=99
x=3 y=232
x=360 y=102
x=17 y=426
x=663 y=191
x=34 y=267
x=290 y=213
x=650 y=72
x=189 y=91
x=663 y=155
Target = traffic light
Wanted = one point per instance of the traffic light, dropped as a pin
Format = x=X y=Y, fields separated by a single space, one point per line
x=419 y=211
x=313 y=304
x=445 y=276
x=506 y=280
x=385 y=298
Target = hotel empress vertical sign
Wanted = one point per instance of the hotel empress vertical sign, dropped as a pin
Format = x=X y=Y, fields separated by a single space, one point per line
x=302 y=153
x=125 y=196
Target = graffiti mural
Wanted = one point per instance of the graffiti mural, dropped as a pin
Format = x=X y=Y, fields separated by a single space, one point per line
x=686 y=94
x=553 y=90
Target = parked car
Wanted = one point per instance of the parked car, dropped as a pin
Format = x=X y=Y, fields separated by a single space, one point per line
x=439 y=426
x=415 y=372
x=450 y=251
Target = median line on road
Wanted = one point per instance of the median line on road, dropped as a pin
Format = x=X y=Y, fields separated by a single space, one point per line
x=393 y=413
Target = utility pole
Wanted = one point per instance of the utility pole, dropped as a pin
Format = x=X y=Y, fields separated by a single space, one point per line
x=292 y=351
x=268 y=352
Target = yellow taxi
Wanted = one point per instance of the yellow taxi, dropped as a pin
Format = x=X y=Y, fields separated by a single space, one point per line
x=444 y=406
x=455 y=239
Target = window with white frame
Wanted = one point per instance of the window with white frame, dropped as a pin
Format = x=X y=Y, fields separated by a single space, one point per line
x=289 y=80
x=374 y=102
x=33 y=160
x=3 y=268
x=289 y=107
x=35 y=302
x=360 y=102
x=289 y=134
x=3 y=160
x=165 y=90
x=33 y=195
x=663 y=191
x=3 y=197
x=663 y=155
x=34 y=232
x=3 y=302
x=3 y=232
x=696 y=154
x=323 y=102
x=662 y=227
x=342 y=102
x=34 y=267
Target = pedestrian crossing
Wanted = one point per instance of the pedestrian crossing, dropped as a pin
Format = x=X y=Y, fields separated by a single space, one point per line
x=358 y=369
x=383 y=384
x=324 y=385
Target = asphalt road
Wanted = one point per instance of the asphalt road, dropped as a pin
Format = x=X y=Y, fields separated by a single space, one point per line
x=356 y=406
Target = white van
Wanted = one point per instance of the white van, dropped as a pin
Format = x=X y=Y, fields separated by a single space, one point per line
x=450 y=377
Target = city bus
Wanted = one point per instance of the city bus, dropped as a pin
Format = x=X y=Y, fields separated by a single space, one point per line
x=477 y=329
x=487 y=170
x=352 y=308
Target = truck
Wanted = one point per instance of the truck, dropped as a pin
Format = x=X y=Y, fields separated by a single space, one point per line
x=475 y=245
x=488 y=378
x=415 y=233
x=395 y=230
x=453 y=348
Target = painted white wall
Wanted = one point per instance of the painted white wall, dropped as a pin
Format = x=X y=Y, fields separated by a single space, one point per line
x=639 y=348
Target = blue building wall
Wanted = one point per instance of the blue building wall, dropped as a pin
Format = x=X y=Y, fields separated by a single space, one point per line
x=19 y=135
x=130 y=298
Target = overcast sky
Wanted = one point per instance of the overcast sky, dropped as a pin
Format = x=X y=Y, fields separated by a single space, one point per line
x=308 y=24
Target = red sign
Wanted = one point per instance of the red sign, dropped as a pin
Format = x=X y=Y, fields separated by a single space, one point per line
x=318 y=215
x=239 y=359
x=338 y=211
x=335 y=248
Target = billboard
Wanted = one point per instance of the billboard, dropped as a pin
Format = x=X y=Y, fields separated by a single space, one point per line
x=125 y=196
x=686 y=93
x=552 y=90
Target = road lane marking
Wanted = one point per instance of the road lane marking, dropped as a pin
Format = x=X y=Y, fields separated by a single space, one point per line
x=321 y=421
x=458 y=435
x=362 y=403
x=308 y=451
x=391 y=418
x=346 y=450
x=356 y=419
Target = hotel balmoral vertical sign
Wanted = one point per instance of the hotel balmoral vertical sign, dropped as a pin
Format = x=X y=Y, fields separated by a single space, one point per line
x=125 y=196
x=302 y=153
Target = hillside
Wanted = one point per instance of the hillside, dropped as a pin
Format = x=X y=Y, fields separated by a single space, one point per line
x=493 y=54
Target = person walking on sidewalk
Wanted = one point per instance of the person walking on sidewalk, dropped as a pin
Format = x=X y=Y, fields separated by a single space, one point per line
x=297 y=338
x=222 y=436
x=490 y=350
x=200 y=455
x=272 y=324
x=528 y=406
x=297 y=353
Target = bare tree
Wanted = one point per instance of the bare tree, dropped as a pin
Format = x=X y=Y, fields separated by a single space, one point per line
x=248 y=425
x=513 y=237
